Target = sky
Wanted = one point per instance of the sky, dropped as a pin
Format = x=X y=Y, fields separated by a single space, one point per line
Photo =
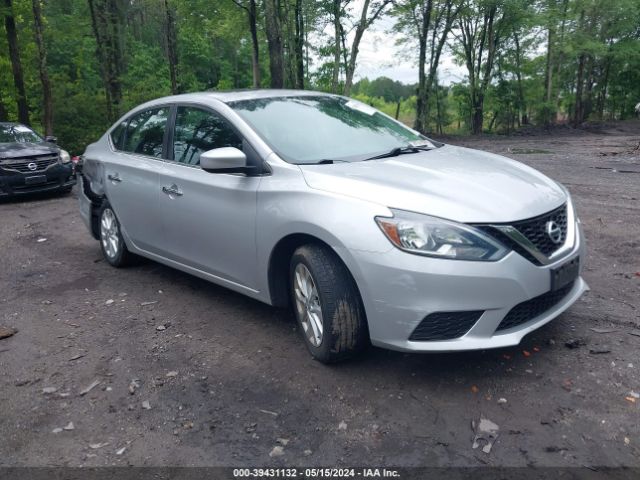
x=380 y=55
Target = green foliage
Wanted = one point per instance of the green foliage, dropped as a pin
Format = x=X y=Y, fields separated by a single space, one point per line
x=460 y=98
x=390 y=90
x=214 y=51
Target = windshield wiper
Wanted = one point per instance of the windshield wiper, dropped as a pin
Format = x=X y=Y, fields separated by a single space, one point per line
x=394 y=152
x=325 y=161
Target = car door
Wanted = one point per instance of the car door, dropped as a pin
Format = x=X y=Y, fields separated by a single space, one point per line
x=132 y=175
x=209 y=218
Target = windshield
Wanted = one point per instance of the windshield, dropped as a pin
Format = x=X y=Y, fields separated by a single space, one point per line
x=310 y=129
x=18 y=134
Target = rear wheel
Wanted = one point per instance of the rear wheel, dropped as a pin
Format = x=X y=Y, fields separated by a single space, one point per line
x=326 y=304
x=112 y=244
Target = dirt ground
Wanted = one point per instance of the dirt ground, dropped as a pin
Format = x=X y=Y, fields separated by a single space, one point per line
x=225 y=379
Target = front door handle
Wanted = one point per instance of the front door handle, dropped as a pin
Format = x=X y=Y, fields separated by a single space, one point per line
x=172 y=190
x=114 y=178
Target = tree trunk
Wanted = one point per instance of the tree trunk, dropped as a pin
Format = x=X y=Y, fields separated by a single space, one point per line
x=274 y=38
x=422 y=97
x=365 y=22
x=3 y=110
x=252 y=18
x=101 y=54
x=587 y=104
x=115 y=12
x=560 y=56
x=522 y=107
x=172 y=47
x=477 y=118
x=255 y=52
x=42 y=67
x=307 y=57
x=604 y=85
x=582 y=58
x=287 y=27
x=438 y=111
x=493 y=121
x=299 y=45
x=476 y=37
x=16 y=65
x=436 y=51
x=578 y=116
x=548 y=111
x=107 y=18
x=548 y=76
x=337 y=29
x=355 y=48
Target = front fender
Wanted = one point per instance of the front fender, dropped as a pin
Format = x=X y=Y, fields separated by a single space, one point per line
x=288 y=206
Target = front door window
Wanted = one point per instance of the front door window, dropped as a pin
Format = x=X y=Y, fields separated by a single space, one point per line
x=198 y=131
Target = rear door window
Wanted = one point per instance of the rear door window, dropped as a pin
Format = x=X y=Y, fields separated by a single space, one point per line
x=145 y=133
x=117 y=134
x=198 y=131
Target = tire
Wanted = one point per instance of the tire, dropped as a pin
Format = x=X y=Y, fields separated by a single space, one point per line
x=65 y=190
x=112 y=244
x=341 y=315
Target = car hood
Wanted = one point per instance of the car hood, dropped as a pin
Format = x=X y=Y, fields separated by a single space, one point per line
x=17 y=150
x=457 y=183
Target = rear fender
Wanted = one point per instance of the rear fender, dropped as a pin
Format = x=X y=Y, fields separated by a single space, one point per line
x=91 y=194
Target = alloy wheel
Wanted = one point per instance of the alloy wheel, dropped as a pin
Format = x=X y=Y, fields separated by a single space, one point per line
x=109 y=233
x=308 y=306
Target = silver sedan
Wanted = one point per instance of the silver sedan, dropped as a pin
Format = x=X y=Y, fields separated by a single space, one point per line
x=371 y=232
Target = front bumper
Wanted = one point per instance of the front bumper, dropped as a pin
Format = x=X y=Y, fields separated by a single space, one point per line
x=56 y=177
x=399 y=290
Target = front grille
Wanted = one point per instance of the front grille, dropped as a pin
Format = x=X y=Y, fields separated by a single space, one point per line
x=37 y=186
x=509 y=243
x=445 y=325
x=22 y=164
x=530 y=309
x=535 y=229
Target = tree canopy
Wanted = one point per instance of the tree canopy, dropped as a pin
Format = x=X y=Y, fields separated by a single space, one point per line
x=71 y=67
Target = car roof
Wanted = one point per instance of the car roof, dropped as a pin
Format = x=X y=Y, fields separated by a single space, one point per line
x=236 y=95
x=224 y=97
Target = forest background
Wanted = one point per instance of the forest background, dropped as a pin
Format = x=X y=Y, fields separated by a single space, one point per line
x=72 y=67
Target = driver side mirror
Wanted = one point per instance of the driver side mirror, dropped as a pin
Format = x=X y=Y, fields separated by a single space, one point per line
x=225 y=160
x=51 y=139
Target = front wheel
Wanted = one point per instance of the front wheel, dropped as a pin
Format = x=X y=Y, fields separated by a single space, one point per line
x=327 y=304
x=112 y=244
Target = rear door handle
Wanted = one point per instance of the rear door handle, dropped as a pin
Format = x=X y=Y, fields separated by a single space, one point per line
x=172 y=190
x=114 y=178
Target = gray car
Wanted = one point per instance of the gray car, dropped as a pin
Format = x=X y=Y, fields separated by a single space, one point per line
x=32 y=164
x=372 y=232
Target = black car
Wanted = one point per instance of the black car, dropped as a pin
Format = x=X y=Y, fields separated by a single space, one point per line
x=31 y=164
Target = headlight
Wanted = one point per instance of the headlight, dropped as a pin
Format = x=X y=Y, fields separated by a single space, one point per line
x=64 y=156
x=435 y=237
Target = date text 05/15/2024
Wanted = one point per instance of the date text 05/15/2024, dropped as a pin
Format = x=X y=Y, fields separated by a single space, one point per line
x=315 y=473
